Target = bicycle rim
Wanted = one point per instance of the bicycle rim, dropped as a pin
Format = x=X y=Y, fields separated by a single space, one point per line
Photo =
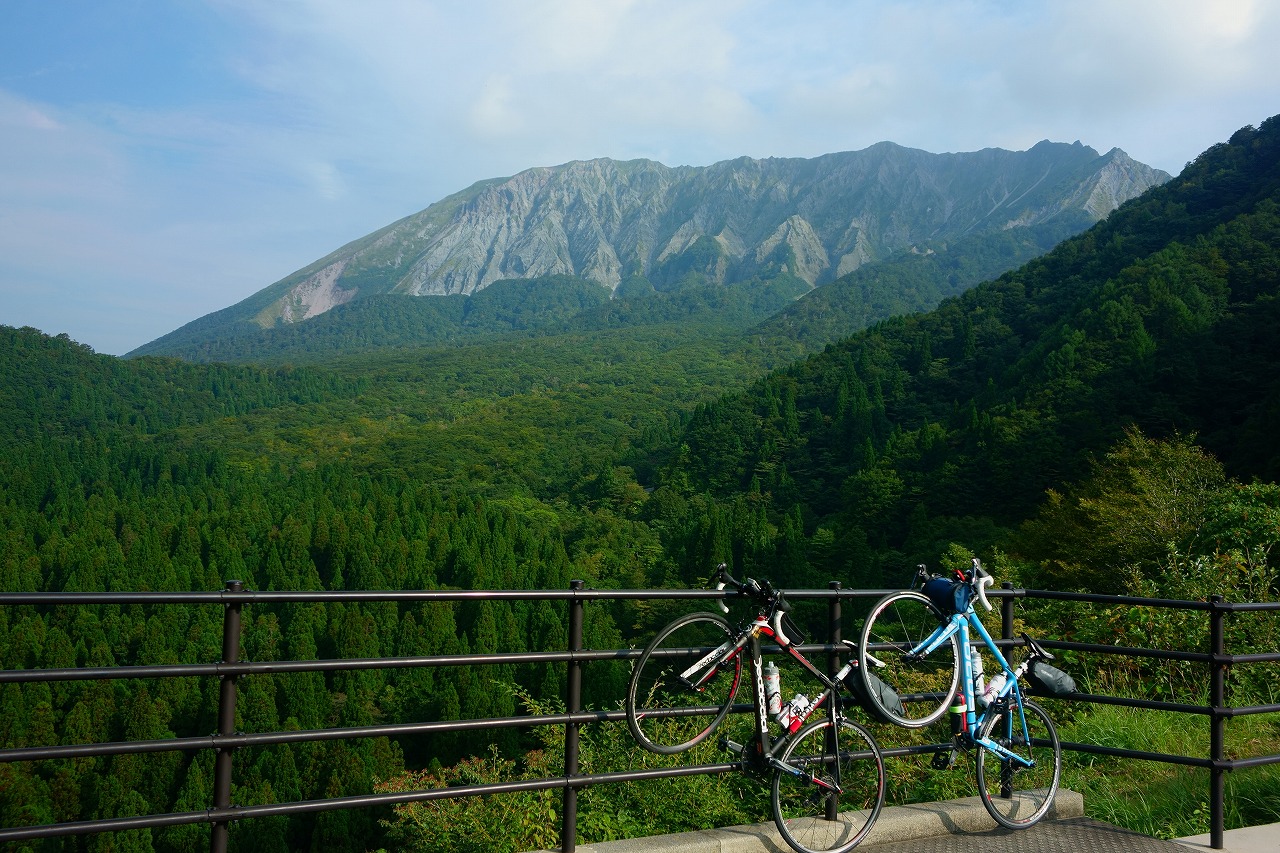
x=666 y=714
x=811 y=818
x=898 y=623
x=1016 y=796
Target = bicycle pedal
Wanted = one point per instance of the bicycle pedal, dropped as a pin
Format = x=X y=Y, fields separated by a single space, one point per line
x=731 y=746
x=944 y=760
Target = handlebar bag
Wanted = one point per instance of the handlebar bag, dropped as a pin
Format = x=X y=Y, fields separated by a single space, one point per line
x=1046 y=680
x=887 y=696
x=949 y=596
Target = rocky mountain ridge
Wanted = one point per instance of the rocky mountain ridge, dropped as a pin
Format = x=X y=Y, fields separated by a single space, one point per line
x=605 y=220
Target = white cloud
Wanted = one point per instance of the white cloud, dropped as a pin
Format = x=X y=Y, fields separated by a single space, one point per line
x=489 y=88
x=495 y=113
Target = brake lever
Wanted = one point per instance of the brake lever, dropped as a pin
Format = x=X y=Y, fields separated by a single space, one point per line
x=722 y=573
x=720 y=601
x=982 y=580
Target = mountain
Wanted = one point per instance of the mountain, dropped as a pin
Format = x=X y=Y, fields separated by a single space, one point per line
x=810 y=221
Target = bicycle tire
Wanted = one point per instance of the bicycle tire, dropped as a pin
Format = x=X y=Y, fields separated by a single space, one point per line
x=1018 y=797
x=666 y=716
x=899 y=622
x=842 y=753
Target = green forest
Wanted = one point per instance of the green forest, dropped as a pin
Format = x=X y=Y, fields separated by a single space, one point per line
x=1103 y=418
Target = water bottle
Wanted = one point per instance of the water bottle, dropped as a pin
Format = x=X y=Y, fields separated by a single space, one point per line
x=958 y=722
x=792 y=716
x=799 y=708
x=994 y=686
x=975 y=670
x=772 y=688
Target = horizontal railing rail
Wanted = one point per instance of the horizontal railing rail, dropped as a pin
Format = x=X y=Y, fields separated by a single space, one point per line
x=226 y=740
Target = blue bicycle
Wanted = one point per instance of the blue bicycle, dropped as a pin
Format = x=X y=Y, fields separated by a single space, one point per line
x=917 y=653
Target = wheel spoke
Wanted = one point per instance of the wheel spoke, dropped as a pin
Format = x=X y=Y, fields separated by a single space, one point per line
x=1018 y=796
x=817 y=819
x=666 y=713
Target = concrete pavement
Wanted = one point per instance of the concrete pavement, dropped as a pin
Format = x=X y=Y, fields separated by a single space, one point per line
x=953 y=826
x=1251 y=839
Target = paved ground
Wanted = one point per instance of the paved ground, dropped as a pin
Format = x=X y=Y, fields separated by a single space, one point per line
x=957 y=826
x=1071 y=835
x=1253 y=839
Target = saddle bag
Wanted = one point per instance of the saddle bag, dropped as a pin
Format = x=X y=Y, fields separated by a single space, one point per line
x=886 y=696
x=1046 y=680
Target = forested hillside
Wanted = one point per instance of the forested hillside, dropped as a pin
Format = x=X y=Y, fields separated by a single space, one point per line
x=465 y=468
x=913 y=281
x=93 y=501
x=1014 y=420
x=517 y=309
x=951 y=425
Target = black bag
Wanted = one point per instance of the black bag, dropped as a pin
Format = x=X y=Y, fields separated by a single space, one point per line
x=886 y=696
x=1046 y=680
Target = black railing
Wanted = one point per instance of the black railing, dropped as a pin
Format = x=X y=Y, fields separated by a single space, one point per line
x=1217 y=661
x=222 y=811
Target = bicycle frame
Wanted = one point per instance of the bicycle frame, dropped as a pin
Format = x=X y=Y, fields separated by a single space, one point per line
x=962 y=623
x=826 y=775
x=765 y=745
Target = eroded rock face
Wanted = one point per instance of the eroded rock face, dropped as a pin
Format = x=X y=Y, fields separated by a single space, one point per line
x=310 y=298
x=816 y=219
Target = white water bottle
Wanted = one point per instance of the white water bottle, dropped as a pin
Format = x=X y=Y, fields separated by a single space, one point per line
x=794 y=713
x=975 y=670
x=994 y=686
x=772 y=688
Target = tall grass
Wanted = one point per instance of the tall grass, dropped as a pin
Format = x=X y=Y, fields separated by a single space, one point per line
x=1167 y=800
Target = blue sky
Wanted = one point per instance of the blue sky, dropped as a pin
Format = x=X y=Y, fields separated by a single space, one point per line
x=162 y=159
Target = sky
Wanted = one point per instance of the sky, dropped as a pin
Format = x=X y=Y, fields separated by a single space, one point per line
x=163 y=159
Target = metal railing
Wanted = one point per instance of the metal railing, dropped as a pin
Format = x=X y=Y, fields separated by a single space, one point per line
x=1217 y=661
x=226 y=741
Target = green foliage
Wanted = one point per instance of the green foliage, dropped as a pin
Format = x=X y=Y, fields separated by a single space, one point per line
x=1160 y=520
x=1145 y=499
x=509 y=823
x=1161 y=800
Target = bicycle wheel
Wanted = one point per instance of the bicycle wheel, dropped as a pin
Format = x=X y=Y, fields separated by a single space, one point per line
x=811 y=817
x=898 y=623
x=667 y=713
x=1017 y=796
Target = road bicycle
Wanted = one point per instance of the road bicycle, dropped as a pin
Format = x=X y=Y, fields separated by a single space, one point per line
x=919 y=642
x=828 y=778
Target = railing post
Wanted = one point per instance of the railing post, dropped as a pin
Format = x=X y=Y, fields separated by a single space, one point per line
x=218 y=836
x=833 y=618
x=1217 y=724
x=1006 y=615
x=833 y=666
x=573 y=704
